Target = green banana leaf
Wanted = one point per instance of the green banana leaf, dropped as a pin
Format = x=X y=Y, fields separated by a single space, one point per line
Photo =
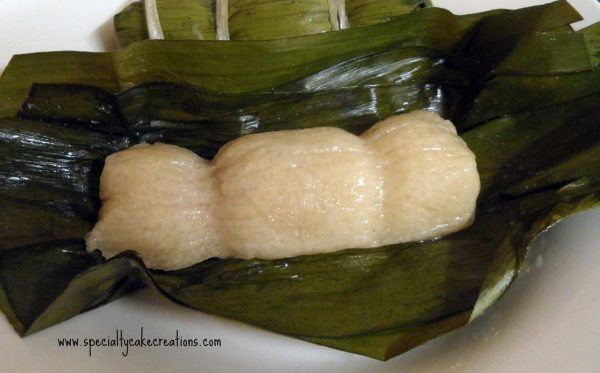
x=130 y=24
x=217 y=67
x=368 y=12
x=282 y=295
x=187 y=19
x=184 y=20
x=194 y=63
x=203 y=122
x=591 y=35
x=247 y=20
x=376 y=302
x=537 y=60
x=272 y=19
x=255 y=20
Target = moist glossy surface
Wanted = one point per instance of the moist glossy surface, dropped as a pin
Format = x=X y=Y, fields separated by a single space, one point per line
x=288 y=193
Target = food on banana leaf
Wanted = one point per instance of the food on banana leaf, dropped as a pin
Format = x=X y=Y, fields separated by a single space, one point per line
x=288 y=193
x=515 y=84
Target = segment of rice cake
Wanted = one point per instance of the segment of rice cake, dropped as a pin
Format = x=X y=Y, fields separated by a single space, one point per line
x=431 y=179
x=288 y=193
x=158 y=200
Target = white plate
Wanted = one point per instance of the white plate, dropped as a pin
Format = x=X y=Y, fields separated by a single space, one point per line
x=547 y=322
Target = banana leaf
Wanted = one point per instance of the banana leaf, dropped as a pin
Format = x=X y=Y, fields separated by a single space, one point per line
x=368 y=12
x=262 y=20
x=537 y=60
x=204 y=122
x=254 y=20
x=130 y=24
x=217 y=67
x=420 y=289
x=591 y=35
x=284 y=295
x=395 y=82
x=187 y=19
x=39 y=205
x=246 y=20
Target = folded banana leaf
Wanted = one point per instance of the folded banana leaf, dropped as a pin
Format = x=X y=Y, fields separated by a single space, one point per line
x=591 y=35
x=396 y=82
x=376 y=302
x=187 y=19
x=261 y=20
x=217 y=67
x=203 y=122
x=130 y=24
x=537 y=60
x=255 y=19
x=420 y=290
x=368 y=12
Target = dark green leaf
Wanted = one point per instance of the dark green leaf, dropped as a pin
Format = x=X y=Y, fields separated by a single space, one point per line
x=377 y=302
x=49 y=181
x=237 y=67
x=503 y=95
x=368 y=12
x=543 y=53
x=592 y=39
x=83 y=105
x=130 y=24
